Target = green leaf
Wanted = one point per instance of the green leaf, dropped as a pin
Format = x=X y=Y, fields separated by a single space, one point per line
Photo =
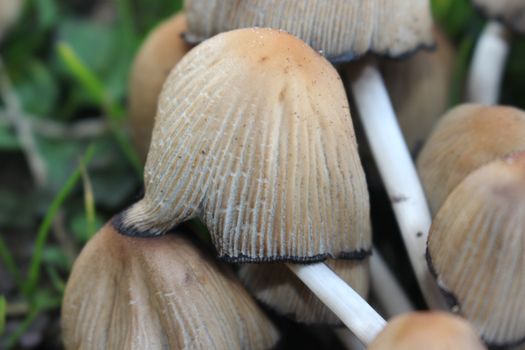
x=47 y=12
x=8 y=140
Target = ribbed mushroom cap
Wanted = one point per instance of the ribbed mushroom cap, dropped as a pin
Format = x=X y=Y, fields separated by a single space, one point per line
x=419 y=88
x=254 y=135
x=159 y=53
x=342 y=29
x=476 y=248
x=157 y=293
x=9 y=11
x=276 y=286
x=512 y=12
x=429 y=331
x=467 y=137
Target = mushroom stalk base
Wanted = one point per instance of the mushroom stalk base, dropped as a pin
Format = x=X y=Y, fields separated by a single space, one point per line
x=488 y=64
x=398 y=173
x=349 y=306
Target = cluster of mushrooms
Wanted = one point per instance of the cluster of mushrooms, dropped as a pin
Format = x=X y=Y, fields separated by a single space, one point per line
x=253 y=136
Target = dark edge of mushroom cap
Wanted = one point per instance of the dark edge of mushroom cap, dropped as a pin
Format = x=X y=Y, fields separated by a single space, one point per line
x=453 y=303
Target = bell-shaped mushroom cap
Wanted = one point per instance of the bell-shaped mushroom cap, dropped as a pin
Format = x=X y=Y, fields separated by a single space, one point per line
x=254 y=135
x=419 y=88
x=476 y=249
x=157 y=293
x=429 y=331
x=276 y=286
x=512 y=12
x=343 y=30
x=9 y=10
x=161 y=50
x=467 y=137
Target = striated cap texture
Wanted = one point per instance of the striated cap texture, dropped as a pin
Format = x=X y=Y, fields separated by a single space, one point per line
x=161 y=50
x=466 y=138
x=429 y=331
x=254 y=135
x=476 y=248
x=343 y=30
x=157 y=293
x=276 y=286
x=512 y=12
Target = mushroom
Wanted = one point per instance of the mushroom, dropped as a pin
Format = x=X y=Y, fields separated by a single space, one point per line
x=165 y=292
x=427 y=330
x=161 y=50
x=467 y=137
x=490 y=53
x=257 y=140
x=476 y=249
x=343 y=31
x=419 y=87
x=9 y=11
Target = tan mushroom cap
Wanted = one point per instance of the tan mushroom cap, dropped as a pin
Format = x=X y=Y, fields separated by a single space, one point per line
x=342 y=29
x=254 y=135
x=419 y=88
x=276 y=286
x=512 y=12
x=157 y=293
x=467 y=137
x=428 y=331
x=477 y=246
x=9 y=11
x=159 y=53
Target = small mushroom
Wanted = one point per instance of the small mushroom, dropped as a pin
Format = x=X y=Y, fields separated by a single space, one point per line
x=159 y=53
x=492 y=48
x=467 y=137
x=476 y=249
x=159 y=293
x=429 y=331
x=275 y=286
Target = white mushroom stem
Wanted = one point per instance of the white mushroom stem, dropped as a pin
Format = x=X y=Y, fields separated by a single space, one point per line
x=398 y=173
x=349 y=306
x=390 y=296
x=488 y=64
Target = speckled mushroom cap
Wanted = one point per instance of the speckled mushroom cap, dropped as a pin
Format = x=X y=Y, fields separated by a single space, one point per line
x=512 y=12
x=254 y=136
x=159 y=53
x=276 y=286
x=467 y=137
x=343 y=30
x=476 y=249
x=429 y=331
x=157 y=293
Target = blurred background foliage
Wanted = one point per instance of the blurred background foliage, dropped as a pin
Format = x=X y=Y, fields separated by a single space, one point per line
x=66 y=161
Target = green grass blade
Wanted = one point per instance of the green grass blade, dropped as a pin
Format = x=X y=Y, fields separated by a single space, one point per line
x=13 y=338
x=89 y=202
x=9 y=262
x=43 y=230
x=3 y=307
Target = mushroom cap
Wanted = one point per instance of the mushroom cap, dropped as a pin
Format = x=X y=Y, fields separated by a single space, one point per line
x=276 y=286
x=511 y=12
x=343 y=30
x=427 y=330
x=254 y=135
x=476 y=249
x=419 y=88
x=157 y=293
x=161 y=50
x=467 y=137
